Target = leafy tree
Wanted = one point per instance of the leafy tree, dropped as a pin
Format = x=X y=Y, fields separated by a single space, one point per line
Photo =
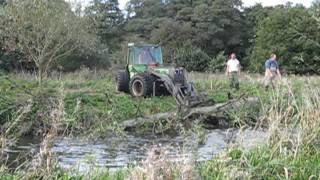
x=254 y=16
x=44 y=31
x=50 y=34
x=146 y=8
x=211 y=26
x=219 y=27
x=108 y=21
x=143 y=17
x=171 y=35
x=218 y=63
x=316 y=11
x=192 y=58
x=77 y=60
x=293 y=34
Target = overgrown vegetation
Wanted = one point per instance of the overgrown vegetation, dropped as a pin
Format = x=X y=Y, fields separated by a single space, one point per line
x=85 y=103
x=90 y=102
x=42 y=39
x=292 y=149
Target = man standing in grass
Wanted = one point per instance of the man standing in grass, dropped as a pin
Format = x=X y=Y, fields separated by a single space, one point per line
x=272 y=72
x=233 y=71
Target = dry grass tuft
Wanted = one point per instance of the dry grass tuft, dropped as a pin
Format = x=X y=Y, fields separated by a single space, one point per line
x=159 y=166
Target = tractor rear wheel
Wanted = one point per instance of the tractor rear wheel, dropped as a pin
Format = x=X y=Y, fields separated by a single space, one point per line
x=141 y=85
x=123 y=81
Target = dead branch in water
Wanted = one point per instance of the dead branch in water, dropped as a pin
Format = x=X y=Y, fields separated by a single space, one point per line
x=208 y=110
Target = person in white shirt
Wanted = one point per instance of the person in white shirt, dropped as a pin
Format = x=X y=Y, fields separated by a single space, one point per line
x=233 y=71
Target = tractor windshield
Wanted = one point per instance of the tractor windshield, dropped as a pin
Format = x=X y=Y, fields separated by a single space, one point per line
x=147 y=55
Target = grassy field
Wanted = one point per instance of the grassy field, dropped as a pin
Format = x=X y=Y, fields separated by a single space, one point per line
x=86 y=104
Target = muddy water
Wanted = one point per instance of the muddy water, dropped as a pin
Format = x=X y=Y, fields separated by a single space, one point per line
x=113 y=152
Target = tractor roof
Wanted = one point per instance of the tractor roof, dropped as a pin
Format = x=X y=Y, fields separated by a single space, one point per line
x=142 y=45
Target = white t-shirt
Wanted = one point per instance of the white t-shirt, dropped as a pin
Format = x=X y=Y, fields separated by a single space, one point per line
x=233 y=65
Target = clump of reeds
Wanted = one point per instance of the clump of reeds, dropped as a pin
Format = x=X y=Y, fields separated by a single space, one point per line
x=43 y=163
x=159 y=166
x=291 y=148
x=293 y=117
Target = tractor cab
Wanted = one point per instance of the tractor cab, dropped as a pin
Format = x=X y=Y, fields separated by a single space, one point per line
x=144 y=54
x=144 y=57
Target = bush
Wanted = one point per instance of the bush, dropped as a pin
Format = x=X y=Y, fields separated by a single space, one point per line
x=192 y=58
x=91 y=60
x=217 y=64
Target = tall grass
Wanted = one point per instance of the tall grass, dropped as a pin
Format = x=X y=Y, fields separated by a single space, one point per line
x=86 y=103
x=292 y=149
x=159 y=166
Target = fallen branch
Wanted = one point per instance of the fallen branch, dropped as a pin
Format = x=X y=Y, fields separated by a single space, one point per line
x=223 y=107
x=230 y=105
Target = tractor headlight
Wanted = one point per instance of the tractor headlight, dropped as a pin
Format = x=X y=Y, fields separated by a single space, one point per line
x=179 y=71
x=178 y=76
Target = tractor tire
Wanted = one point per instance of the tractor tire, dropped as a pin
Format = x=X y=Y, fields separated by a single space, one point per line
x=123 y=81
x=141 y=85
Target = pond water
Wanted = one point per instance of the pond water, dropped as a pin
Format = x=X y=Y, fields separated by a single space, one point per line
x=116 y=152
x=119 y=152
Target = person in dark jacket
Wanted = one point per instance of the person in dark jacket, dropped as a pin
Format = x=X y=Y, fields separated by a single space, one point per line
x=272 y=73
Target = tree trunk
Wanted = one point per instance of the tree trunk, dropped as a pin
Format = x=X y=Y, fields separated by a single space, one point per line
x=40 y=77
x=209 y=110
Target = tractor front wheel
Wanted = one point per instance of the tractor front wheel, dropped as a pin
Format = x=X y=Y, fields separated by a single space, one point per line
x=141 y=85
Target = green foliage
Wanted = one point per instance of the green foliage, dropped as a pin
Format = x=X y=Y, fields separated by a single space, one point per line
x=218 y=63
x=15 y=61
x=254 y=17
x=59 y=174
x=44 y=31
x=235 y=154
x=43 y=34
x=107 y=21
x=200 y=132
x=90 y=104
x=198 y=29
x=192 y=58
x=293 y=34
x=291 y=150
x=261 y=163
x=95 y=60
x=210 y=26
x=92 y=108
x=255 y=33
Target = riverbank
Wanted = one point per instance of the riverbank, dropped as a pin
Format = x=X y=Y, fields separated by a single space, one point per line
x=86 y=104
x=83 y=103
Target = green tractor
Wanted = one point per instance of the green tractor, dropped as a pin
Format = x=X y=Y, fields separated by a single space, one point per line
x=145 y=75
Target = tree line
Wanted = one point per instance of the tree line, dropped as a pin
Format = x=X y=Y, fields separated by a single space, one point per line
x=42 y=35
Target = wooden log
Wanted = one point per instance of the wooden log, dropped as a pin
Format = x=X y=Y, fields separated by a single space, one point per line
x=222 y=107
x=230 y=105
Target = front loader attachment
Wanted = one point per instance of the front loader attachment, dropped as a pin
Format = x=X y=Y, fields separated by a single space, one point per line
x=184 y=93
